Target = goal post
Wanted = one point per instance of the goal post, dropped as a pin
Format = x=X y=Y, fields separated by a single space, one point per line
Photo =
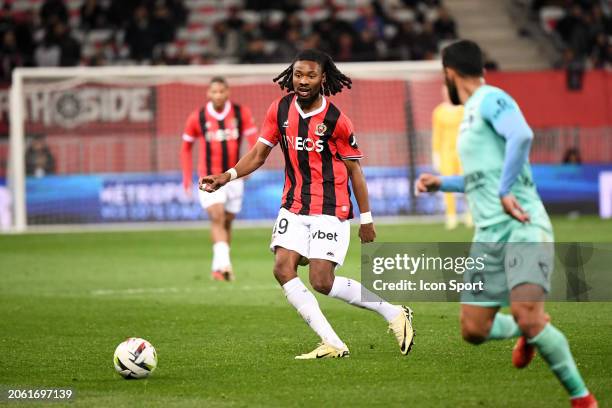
x=116 y=132
x=16 y=160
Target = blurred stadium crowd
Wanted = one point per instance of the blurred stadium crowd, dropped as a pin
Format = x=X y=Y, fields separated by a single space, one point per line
x=105 y=32
x=580 y=29
x=108 y=32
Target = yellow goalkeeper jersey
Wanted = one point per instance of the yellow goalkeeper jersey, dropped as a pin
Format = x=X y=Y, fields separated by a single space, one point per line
x=445 y=123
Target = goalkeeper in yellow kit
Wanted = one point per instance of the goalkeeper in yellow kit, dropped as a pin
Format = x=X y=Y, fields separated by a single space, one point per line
x=446 y=119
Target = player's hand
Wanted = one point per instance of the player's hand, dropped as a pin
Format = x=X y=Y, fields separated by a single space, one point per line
x=427 y=183
x=367 y=233
x=513 y=208
x=214 y=182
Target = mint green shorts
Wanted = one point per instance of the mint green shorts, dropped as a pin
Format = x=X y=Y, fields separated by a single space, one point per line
x=513 y=254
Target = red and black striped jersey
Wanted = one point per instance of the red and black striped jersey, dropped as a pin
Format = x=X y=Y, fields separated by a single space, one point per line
x=314 y=145
x=220 y=135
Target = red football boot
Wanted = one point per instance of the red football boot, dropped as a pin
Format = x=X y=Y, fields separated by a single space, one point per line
x=588 y=401
x=217 y=275
x=522 y=353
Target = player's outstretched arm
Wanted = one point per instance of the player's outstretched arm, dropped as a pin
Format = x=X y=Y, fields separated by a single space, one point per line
x=367 y=232
x=250 y=162
x=430 y=183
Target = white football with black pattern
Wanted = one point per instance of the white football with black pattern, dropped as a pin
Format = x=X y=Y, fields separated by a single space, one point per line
x=135 y=358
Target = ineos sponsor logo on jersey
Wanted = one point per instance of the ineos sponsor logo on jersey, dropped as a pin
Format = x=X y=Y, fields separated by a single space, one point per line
x=325 y=235
x=305 y=143
x=222 y=134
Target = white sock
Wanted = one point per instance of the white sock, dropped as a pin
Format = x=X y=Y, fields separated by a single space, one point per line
x=308 y=307
x=350 y=290
x=221 y=256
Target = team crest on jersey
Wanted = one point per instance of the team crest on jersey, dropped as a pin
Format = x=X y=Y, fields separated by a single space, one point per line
x=468 y=121
x=321 y=129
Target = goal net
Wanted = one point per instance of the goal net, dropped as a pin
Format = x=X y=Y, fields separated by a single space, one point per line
x=102 y=145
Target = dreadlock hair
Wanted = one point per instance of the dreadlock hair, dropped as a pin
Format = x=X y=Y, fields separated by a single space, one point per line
x=334 y=79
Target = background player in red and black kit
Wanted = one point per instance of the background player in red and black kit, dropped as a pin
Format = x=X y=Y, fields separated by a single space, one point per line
x=321 y=154
x=220 y=127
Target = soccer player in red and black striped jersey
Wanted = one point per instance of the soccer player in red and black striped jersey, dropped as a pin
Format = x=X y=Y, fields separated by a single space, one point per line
x=220 y=127
x=321 y=155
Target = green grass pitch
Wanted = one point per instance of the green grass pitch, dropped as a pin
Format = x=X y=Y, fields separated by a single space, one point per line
x=67 y=300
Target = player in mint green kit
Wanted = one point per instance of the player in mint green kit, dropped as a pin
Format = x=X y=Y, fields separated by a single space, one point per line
x=512 y=227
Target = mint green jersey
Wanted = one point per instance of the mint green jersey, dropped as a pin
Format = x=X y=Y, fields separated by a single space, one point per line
x=482 y=151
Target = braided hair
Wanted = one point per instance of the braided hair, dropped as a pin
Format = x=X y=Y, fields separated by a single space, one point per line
x=334 y=79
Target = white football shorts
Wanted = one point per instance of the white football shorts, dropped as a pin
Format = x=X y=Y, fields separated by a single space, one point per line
x=312 y=236
x=230 y=195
